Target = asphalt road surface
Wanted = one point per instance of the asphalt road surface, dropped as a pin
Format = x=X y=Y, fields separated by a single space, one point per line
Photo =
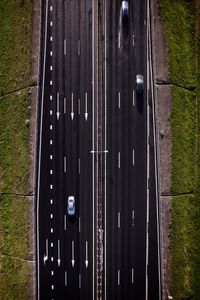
x=97 y=143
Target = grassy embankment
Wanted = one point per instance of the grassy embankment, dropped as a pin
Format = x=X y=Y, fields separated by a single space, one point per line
x=182 y=34
x=15 y=51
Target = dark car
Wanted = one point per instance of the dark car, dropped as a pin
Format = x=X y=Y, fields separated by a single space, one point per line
x=139 y=83
x=124 y=11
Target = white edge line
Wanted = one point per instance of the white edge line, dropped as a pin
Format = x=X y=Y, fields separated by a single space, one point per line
x=40 y=145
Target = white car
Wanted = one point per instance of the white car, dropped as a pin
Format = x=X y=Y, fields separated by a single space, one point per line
x=71 y=206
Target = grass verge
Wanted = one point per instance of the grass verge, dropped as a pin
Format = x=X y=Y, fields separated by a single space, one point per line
x=15 y=56
x=180 y=24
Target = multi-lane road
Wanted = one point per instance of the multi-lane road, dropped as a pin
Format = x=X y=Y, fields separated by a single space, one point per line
x=97 y=142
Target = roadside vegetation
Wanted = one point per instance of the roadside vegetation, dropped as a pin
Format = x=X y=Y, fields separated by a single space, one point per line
x=15 y=57
x=181 y=23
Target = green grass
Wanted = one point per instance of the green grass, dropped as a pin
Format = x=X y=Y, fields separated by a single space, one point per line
x=15 y=54
x=179 y=19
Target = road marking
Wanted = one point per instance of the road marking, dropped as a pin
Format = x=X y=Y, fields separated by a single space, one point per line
x=79 y=165
x=59 y=260
x=51 y=186
x=133 y=40
x=118 y=220
x=65 y=222
x=51 y=7
x=58 y=109
x=52 y=273
x=52 y=287
x=118 y=277
x=51 y=245
x=51 y=230
x=51 y=157
x=133 y=157
x=51 y=23
x=119 y=160
x=72 y=108
x=133 y=217
x=73 y=260
x=51 y=97
x=51 y=53
x=52 y=258
x=133 y=98
x=86 y=254
x=51 y=142
x=86 y=112
x=65 y=164
x=65 y=105
x=79 y=283
x=51 y=82
x=65 y=47
x=51 y=216
x=46 y=252
x=79 y=106
x=65 y=278
x=132 y=276
x=51 y=127
x=51 y=68
x=51 y=38
x=51 y=112
x=119 y=100
x=119 y=40
x=51 y=172
x=79 y=224
x=51 y=201
x=79 y=47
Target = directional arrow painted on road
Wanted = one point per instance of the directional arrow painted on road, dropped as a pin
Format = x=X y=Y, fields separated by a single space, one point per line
x=73 y=260
x=58 y=112
x=59 y=260
x=86 y=254
x=86 y=112
x=46 y=253
x=72 y=110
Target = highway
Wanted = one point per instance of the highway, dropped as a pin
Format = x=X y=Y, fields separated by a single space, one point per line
x=97 y=143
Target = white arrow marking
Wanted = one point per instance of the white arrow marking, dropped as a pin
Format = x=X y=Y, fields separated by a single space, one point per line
x=46 y=255
x=86 y=254
x=65 y=278
x=132 y=276
x=86 y=112
x=58 y=112
x=72 y=112
x=59 y=260
x=73 y=260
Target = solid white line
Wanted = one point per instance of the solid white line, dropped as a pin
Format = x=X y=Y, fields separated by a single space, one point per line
x=65 y=47
x=105 y=171
x=79 y=224
x=133 y=98
x=119 y=99
x=65 y=222
x=93 y=172
x=79 y=47
x=119 y=160
x=79 y=165
x=118 y=277
x=118 y=220
x=65 y=164
x=133 y=157
x=65 y=105
x=65 y=278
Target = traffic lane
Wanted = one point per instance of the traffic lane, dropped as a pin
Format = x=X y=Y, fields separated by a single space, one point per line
x=112 y=158
x=85 y=125
x=153 y=265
